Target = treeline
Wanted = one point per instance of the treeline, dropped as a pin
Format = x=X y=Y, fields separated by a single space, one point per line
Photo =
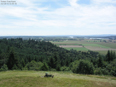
x=45 y=38
x=19 y=54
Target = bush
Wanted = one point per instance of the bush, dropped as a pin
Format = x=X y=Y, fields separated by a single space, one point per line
x=33 y=65
x=64 y=68
x=58 y=68
x=4 y=68
x=113 y=72
x=85 y=67
x=73 y=66
x=105 y=71
x=98 y=71
x=45 y=67
x=25 y=68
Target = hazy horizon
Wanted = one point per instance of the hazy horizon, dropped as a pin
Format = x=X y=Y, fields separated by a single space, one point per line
x=56 y=35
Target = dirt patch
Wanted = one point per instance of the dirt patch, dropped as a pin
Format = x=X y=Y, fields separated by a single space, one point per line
x=69 y=46
x=98 y=48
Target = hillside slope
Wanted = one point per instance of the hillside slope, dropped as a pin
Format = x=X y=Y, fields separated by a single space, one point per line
x=61 y=79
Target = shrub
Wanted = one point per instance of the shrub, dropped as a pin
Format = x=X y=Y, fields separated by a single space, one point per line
x=58 y=68
x=33 y=65
x=4 y=68
x=64 y=68
x=73 y=66
x=45 y=67
x=85 y=67
x=98 y=71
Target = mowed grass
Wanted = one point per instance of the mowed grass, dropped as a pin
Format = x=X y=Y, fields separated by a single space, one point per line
x=61 y=79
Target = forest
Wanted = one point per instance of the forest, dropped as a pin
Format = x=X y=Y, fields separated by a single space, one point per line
x=20 y=54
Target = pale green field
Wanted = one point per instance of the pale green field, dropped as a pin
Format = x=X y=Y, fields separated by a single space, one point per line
x=78 y=49
x=111 y=45
x=61 y=79
x=85 y=42
x=92 y=43
x=96 y=45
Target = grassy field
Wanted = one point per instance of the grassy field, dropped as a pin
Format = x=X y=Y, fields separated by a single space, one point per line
x=96 y=45
x=79 y=49
x=61 y=79
x=101 y=47
x=111 y=45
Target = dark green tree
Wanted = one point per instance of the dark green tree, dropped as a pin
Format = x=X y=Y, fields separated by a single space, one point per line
x=100 y=61
x=45 y=67
x=108 y=56
x=85 y=67
x=52 y=62
x=58 y=68
x=11 y=60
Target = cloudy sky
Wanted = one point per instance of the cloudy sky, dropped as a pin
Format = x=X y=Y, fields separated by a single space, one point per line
x=58 y=17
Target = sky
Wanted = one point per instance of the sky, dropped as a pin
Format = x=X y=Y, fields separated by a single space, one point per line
x=58 y=17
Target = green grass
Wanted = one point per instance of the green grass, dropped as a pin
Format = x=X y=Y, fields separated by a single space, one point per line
x=61 y=79
x=91 y=43
x=96 y=45
x=104 y=52
x=111 y=45
x=69 y=44
x=78 y=49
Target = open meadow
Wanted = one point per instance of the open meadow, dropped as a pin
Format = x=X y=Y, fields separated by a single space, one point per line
x=61 y=79
x=85 y=45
